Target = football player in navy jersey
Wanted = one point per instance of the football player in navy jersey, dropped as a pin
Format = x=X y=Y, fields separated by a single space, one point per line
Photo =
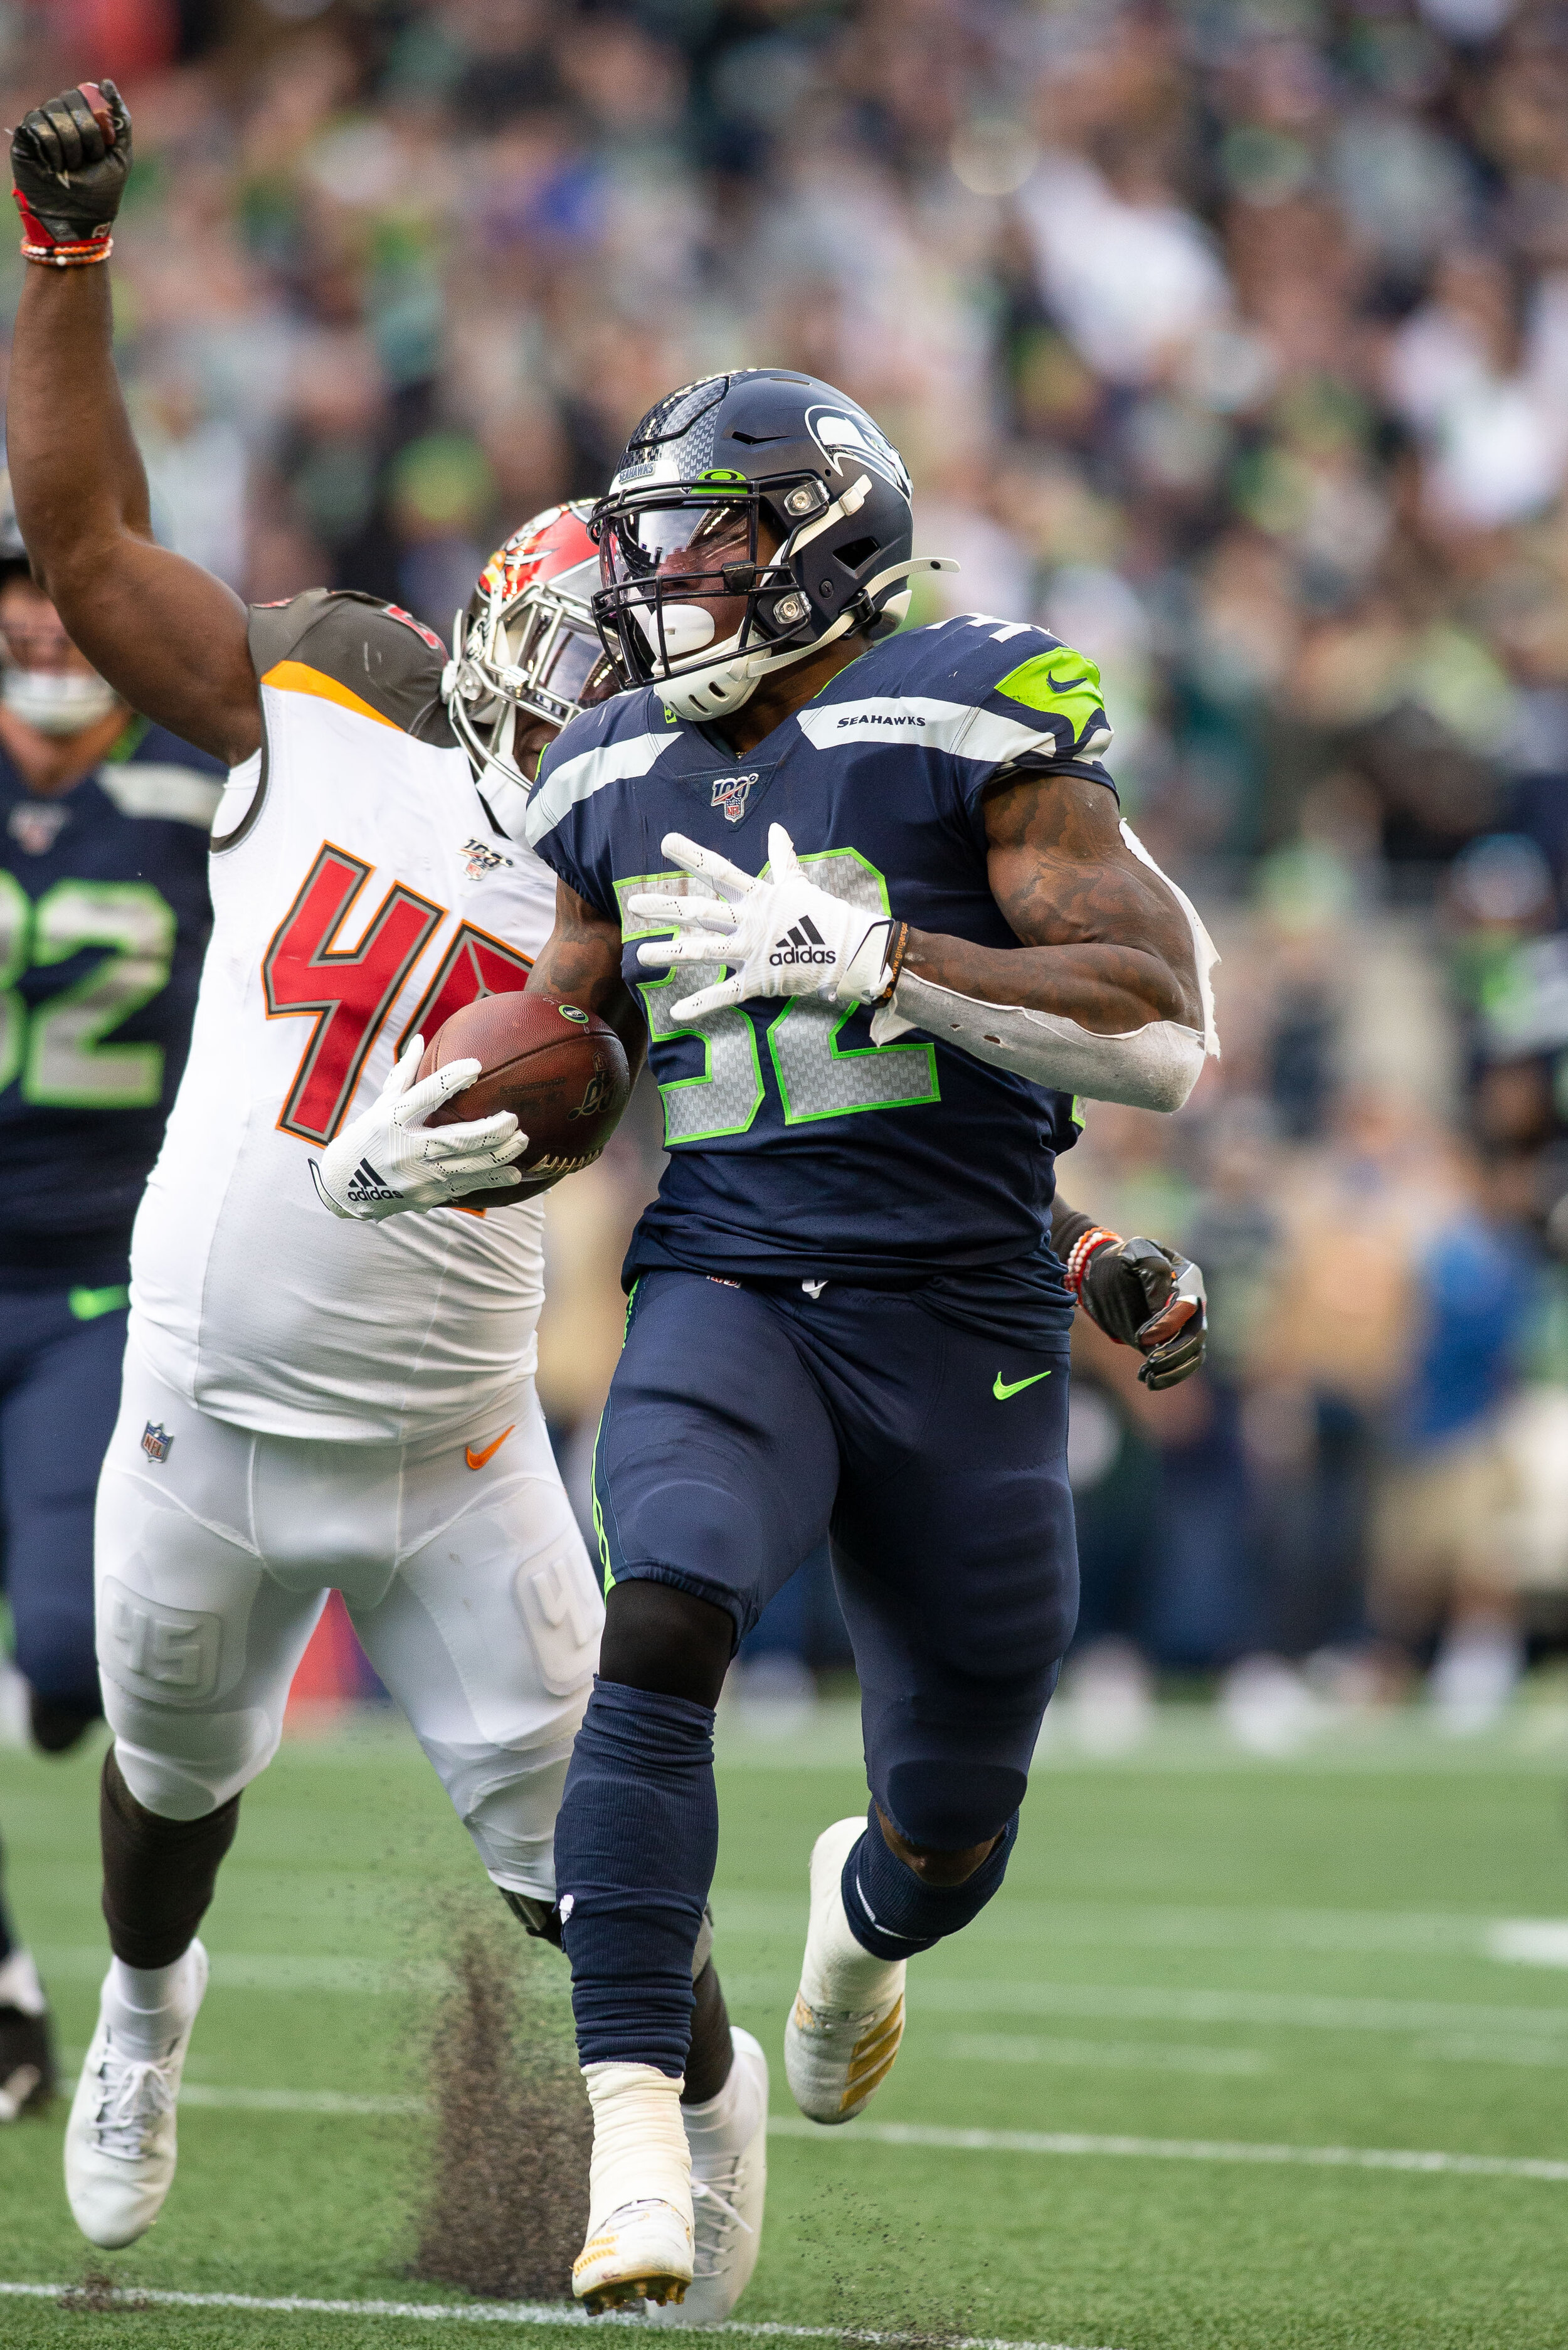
x=131 y=604
x=104 y=919
x=868 y=894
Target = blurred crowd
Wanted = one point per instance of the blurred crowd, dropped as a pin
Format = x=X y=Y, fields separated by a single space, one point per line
x=1230 y=340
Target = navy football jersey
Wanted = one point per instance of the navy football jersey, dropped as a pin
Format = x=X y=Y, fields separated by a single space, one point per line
x=797 y=1148
x=104 y=919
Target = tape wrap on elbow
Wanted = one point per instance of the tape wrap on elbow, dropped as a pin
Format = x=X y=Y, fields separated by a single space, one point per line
x=1155 y=1068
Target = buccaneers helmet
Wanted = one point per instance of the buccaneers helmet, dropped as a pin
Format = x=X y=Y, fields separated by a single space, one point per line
x=771 y=491
x=526 y=647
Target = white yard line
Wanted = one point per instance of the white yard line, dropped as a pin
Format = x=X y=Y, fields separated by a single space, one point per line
x=502 y=2312
x=948 y=1995
x=296 y=2100
x=1106 y=2056
x=262 y=1971
x=1174 y=2149
x=962 y=2141
x=1519 y=1942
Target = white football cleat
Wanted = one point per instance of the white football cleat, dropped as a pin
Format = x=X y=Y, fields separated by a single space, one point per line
x=640 y=2251
x=848 y=2015
x=120 y=2138
x=729 y=2142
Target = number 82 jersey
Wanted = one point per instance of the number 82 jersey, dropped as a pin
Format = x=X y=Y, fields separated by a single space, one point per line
x=799 y=1149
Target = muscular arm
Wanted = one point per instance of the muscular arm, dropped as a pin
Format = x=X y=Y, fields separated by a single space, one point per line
x=580 y=963
x=167 y=635
x=1106 y=943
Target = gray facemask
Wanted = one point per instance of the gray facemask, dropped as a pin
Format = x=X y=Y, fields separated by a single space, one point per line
x=56 y=702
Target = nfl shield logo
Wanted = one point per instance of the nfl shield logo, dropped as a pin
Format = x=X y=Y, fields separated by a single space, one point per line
x=731 y=793
x=481 y=860
x=156 y=1440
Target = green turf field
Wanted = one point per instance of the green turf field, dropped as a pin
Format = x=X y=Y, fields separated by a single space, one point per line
x=1211 y=1984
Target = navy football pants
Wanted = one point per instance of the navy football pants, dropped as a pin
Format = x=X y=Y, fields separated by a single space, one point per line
x=745 y=1423
x=60 y=1395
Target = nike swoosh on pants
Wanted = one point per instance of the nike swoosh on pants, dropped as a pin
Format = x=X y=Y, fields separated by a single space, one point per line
x=477 y=1459
x=1001 y=1388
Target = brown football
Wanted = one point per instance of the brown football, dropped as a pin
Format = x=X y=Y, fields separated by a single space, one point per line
x=559 y=1070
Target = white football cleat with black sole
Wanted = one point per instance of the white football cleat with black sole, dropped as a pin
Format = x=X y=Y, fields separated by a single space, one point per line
x=120 y=2146
x=848 y=2015
x=729 y=2142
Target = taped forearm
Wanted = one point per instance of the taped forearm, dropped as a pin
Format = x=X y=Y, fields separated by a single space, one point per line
x=1152 y=1068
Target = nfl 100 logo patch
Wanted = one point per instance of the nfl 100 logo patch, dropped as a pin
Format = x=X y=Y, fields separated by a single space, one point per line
x=482 y=859
x=156 y=1440
x=731 y=793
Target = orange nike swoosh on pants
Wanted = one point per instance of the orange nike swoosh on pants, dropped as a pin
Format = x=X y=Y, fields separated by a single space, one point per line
x=477 y=1459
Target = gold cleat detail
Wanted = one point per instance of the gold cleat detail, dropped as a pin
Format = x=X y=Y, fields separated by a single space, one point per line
x=627 y=2291
x=871 y=2059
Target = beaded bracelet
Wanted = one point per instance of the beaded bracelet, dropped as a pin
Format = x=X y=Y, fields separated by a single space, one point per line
x=51 y=252
x=1078 y=1257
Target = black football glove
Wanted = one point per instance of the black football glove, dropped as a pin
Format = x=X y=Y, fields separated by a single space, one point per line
x=1146 y=1296
x=70 y=159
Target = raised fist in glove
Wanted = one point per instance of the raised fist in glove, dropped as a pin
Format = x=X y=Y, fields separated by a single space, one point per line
x=1146 y=1296
x=777 y=931
x=70 y=159
x=387 y=1160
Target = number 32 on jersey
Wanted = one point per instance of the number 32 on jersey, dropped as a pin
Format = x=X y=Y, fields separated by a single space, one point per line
x=817 y=1076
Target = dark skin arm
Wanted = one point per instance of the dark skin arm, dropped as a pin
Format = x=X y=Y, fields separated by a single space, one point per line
x=580 y=963
x=1072 y=892
x=167 y=636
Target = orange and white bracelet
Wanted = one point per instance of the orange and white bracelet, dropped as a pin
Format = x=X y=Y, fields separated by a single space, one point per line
x=1079 y=1254
x=38 y=244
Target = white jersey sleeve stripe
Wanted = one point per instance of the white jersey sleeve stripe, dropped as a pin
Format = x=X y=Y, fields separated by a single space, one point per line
x=575 y=780
x=959 y=728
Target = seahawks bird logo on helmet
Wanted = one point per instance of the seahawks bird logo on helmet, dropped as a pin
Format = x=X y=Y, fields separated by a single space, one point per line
x=754 y=518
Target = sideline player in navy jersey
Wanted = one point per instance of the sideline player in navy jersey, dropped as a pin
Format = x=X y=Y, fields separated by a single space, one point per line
x=872 y=894
x=104 y=919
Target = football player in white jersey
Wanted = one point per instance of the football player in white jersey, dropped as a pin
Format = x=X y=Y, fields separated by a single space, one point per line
x=311 y=1402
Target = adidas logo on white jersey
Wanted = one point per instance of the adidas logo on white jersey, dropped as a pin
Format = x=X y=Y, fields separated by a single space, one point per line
x=804 y=944
x=365 y=1185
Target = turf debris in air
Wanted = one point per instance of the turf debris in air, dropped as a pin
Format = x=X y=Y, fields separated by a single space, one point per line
x=507 y=2206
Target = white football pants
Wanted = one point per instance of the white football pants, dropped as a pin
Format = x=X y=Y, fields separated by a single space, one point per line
x=462 y=1567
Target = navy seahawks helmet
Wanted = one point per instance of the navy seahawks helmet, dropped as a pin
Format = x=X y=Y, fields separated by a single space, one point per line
x=767 y=490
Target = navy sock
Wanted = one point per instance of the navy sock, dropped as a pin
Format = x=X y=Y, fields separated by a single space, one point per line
x=636 y=1845
x=893 y=1914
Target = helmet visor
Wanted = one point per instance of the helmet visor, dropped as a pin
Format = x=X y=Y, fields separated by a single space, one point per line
x=688 y=578
x=554 y=657
x=686 y=541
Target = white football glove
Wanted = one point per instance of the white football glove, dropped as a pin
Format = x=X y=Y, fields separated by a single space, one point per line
x=780 y=935
x=387 y=1160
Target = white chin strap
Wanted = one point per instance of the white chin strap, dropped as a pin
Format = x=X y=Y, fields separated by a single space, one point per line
x=1152 y=1068
x=58 y=701
x=727 y=681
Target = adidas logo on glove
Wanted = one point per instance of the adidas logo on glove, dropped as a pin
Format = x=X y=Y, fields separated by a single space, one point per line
x=365 y=1185
x=804 y=944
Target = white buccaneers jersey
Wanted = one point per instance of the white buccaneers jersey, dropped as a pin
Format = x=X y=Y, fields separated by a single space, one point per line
x=360 y=894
